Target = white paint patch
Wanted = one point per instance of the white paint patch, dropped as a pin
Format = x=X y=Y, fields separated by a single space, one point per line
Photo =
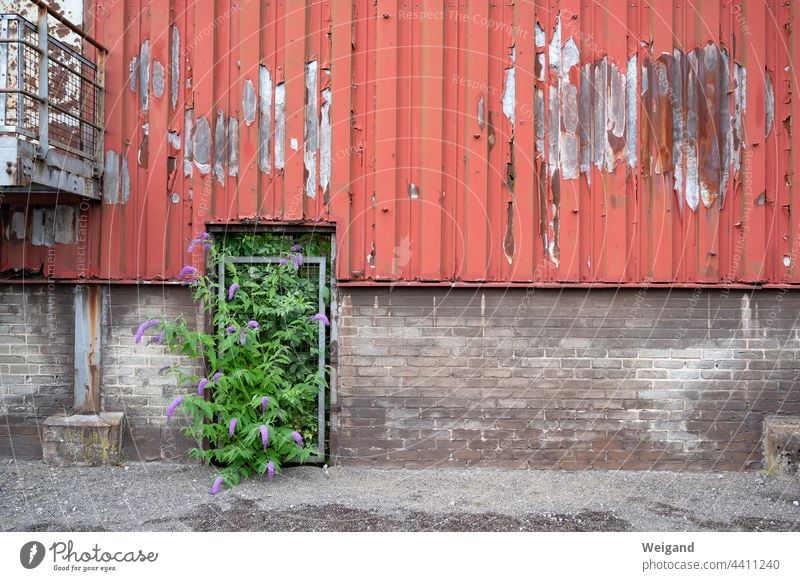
x=265 y=118
x=632 y=104
x=188 y=122
x=280 y=125
x=144 y=75
x=233 y=146
x=249 y=102
x=510 y=89
x=311 y=130
x=539 y=36
x=202 y=145
x=158 y=79
x=294 y=144
x=325 y=143
x=174 y=139
x=18 y=226
x=787 y=261
x=111 y=178
x=175 y=66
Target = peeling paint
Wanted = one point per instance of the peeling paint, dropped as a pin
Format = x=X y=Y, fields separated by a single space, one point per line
x=174 y=139
x=202 y=145
x=111 y=178
x=280 y=124
x=481 y=114
x=539 y=36
x=325 y=145
x=249 y=102
x=509 y=90
x=739 y=109
x=133 y=70
x=632 y=106
x=158 y=78
x=265 y=118
x=567 y=127
x=311 y=130
x=43 y=227
x=126 y=180
x=143 y=67
x=175 y=66
x=770 y=103
x=188 y=124
x=585 y=127
x=220 y=146
x=65 y=221
x=538 y=119
x=233 y=146
x=18 y=225
x=143 y=157
x=413 y=191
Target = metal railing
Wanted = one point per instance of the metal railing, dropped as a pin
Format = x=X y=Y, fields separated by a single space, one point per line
x=43 y=78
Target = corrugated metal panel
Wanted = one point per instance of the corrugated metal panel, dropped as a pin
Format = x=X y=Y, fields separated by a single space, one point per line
x=579 y=142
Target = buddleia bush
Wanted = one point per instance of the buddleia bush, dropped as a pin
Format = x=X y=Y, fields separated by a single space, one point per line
x=256 y=406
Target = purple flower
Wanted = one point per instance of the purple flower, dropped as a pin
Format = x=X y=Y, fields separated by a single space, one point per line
x=270 y=470
x=282 y=261
x=320 y=317
x=173 y=406
x=296 y=248
x=231 y=329
x=242 y=338
x=144 y=327
x=158 y=339
x=297 y=261
x=264 y=404
x=191 y=246
x=253 y=324
x=217 y=483
x=204 y=236
x=232 y=426
x=264 y=435
x=207 y=246
x=201 y=386
x=216 y=377
x=189 y=272
x=297 y=438
x=232 y=291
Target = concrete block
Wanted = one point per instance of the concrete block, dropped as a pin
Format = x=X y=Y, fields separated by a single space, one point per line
x=83 y=440
x=782 y=446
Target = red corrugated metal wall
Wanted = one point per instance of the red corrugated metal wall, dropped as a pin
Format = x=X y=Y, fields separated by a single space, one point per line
x=628 y=141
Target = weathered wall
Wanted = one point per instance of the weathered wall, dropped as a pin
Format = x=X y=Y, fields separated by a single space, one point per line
x=36 y=366
x=563 y=379
x=549 y=142
x=36 y=363
x=133 y=378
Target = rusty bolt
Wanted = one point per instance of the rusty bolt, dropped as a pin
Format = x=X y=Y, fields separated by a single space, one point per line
x=386 y=15
x=384 y=209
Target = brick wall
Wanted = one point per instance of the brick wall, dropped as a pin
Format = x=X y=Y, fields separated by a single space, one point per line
x=133 y=377
x=569 y=379
x=36 y=363
x=36 y=366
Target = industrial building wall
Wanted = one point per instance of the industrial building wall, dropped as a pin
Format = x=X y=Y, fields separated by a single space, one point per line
x=567 y=379
x=548 y=142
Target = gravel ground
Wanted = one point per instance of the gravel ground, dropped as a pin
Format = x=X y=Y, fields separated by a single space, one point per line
x=163 y=496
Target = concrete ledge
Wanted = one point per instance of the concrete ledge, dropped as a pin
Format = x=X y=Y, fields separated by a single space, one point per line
x=83 y=440
x=782 y=446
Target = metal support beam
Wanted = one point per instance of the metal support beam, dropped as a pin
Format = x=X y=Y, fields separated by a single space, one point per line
x=88 y=310
x=44 y=80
